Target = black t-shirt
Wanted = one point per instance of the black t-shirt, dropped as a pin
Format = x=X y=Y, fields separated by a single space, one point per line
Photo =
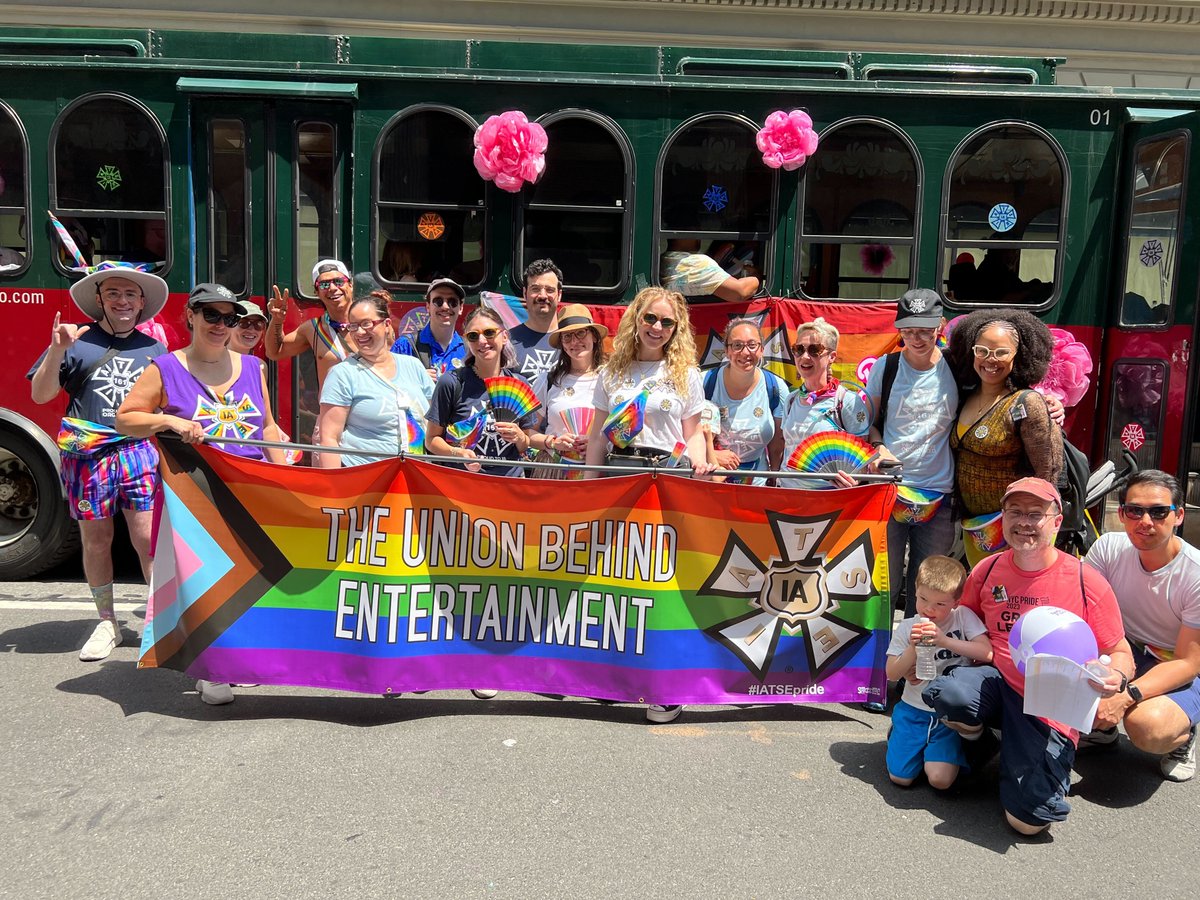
x=460 y=394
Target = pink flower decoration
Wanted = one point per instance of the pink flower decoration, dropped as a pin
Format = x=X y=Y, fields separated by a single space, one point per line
x=876 y=258
x=153 y=328
x=510 y=150
x=1070 y=365
x=787 y=140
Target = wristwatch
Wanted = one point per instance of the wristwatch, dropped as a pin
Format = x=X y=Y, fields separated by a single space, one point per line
x=1135 y=692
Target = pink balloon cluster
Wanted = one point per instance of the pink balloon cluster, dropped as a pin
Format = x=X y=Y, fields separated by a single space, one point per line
x=1070 y=365
x=510 y=150
x=787 y=139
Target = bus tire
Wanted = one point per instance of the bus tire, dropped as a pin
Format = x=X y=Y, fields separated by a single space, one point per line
x=36 y=533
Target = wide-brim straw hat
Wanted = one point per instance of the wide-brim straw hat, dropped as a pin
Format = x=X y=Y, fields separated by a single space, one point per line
x=572 y=318
x=84 y=291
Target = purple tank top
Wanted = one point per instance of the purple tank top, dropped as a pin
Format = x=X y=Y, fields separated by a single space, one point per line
x=236 y=414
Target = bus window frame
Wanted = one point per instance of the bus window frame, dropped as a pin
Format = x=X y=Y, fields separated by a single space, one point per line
x=305 y=289
x=1063 y=217
x=419 y=287
x=767 y=263
x=912 y=243
x=28 y=209
x=247 y=208
x=625 y=255
x=1127 y=229
x=52 y=179
x=1106 y=433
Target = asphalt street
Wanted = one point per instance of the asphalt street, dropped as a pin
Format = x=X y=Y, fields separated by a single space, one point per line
x=119 y=782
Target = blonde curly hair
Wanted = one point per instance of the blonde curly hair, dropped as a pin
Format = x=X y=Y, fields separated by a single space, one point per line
x=679 y=350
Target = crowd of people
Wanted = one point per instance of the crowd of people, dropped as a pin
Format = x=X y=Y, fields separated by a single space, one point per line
x=973 y=440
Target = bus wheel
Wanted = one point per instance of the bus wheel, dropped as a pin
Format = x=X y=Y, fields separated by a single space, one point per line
x=35 y=531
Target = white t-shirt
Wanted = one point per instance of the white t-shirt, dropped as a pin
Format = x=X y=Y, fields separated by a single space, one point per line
x=920 y=413
x=571 y=392
x=1153 y=604
x=666 y=409
x=962 y=625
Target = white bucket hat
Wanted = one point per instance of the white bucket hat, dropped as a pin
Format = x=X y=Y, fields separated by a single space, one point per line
x=85 y=291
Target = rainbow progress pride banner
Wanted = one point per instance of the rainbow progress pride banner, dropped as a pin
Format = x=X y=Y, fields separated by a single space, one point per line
x=402 y=575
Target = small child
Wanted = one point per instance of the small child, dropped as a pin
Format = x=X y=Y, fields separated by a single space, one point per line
x=917 y=738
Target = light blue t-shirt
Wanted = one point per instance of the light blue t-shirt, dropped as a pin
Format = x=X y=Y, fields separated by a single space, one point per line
x=748 y=425
x=843 y=410
x=376 y=418
x=921 y=410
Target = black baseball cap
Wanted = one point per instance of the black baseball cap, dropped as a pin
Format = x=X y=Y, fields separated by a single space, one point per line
x=919 y=308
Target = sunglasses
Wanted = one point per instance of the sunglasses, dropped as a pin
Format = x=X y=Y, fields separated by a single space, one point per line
x=474 y=336
x=254 y=324
x=212 y=317
x=332 y=283
x=450 y=302
x=816 y=351
x=1157 y=513
x=999 y=354
x=665 y=321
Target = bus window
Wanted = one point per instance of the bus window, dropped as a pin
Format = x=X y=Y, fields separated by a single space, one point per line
x=578 y=213
x=1152 y=232
x=315 y=184
x=109 y=182
x=716 y=202
x=1136 y=414
x=429 y=201
x=1005 y=192
x=228 y=205
x=860 y=194
x=14 y=205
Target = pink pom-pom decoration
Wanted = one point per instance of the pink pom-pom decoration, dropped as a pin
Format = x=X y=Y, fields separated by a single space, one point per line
x=510 y=150
x=1070 y=365
x=787 y=140
x=876 y=258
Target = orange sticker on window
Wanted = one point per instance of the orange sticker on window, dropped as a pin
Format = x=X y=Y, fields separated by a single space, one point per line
x=430 y=226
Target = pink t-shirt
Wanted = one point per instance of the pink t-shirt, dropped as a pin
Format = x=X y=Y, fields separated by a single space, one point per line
x=1057 y=585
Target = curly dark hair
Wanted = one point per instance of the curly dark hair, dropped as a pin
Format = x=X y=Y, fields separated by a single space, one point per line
x=1035 y=345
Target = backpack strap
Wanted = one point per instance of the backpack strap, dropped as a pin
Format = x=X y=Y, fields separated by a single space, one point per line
x=424 y=353
x=891 y=365
x=710 y=382
x=772 y=388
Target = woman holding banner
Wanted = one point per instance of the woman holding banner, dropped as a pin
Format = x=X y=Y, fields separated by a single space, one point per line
x=821 y=403
x=374 y=400
x=649 y=396
x=651 y=388
x=749 y=401
x=462 y=420
x=205 y=392
x=566 y=390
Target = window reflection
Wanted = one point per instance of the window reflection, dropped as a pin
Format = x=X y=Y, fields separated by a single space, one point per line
x=1003 y=227
x=228 y=204
x=109 y=183
x=1153 y=230
x=429 y=202
x=13 y=214
x=316 y=199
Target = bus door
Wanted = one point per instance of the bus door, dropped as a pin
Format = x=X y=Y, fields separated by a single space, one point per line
x=1149 y=375
x=271 y=196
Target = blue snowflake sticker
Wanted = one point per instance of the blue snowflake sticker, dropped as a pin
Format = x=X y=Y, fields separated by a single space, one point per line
x=1002 y=217
x=716 y=198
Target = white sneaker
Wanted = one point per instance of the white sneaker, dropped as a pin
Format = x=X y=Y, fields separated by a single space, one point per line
x=214 y=693
x=1180 y=763
x=662 y=714
x=106 y=636
x=484 y=693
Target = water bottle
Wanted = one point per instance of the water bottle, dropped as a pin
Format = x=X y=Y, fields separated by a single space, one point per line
x=926 y=657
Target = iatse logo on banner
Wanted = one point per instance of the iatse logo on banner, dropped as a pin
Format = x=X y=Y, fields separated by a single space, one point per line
x=797 y=591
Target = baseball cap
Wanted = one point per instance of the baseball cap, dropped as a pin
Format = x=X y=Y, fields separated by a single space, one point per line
x=249 y=308
x=919 y=308
x=330 y=265
x=1038 y=487
x=446 y=282
x=211 y=292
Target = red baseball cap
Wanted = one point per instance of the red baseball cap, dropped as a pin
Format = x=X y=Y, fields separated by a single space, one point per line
x=1038 y=487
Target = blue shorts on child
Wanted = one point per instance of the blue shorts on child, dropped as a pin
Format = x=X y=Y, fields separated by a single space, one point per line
x=917 y=737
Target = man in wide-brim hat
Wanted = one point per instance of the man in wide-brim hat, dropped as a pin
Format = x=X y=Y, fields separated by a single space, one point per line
x=102 y=470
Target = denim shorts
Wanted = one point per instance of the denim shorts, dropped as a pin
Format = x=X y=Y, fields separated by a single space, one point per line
x=1186 y=698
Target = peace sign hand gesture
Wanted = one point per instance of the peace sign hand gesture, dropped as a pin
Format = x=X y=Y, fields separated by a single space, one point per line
x=279 y=304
